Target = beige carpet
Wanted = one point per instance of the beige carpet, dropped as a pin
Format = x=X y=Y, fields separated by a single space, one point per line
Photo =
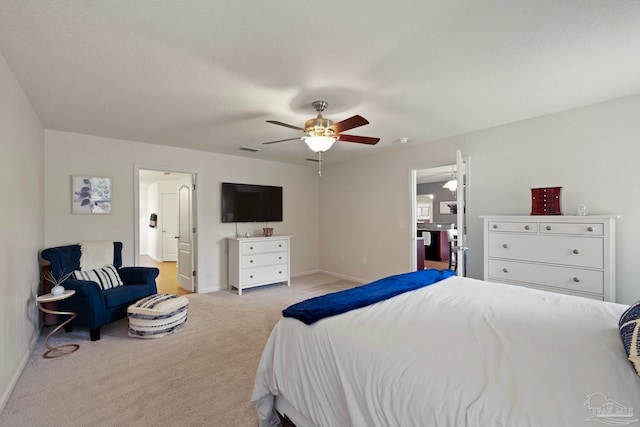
x=200 y=376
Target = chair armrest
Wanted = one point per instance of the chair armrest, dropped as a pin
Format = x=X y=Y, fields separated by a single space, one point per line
x=139 y=275
x=86 y=288
x=88 y=302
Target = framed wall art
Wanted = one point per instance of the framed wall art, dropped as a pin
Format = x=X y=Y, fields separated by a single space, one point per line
x=90 y=195
x=449 y=207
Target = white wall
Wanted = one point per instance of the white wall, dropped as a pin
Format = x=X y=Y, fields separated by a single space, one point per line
x=22 y=217
x=70 y=154
x=591 y=152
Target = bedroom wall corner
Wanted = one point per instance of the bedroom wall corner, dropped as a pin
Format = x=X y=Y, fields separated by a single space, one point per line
x=22 y=190
x=70 y=154
x=591 y=152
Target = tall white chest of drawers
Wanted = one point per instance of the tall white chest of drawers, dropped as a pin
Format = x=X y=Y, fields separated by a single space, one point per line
x=257 y=261
x=567 y=254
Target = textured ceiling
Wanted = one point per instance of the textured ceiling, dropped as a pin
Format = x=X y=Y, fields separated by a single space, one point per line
x=207 y=74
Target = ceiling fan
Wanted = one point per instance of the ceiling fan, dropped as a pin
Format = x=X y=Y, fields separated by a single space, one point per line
x=321 y=133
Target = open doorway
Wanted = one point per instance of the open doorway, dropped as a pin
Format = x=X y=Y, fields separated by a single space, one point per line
x=438 y=220
x=166 y=225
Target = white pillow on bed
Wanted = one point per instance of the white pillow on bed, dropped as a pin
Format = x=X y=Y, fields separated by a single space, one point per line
x=106 y=277
x=630 y=332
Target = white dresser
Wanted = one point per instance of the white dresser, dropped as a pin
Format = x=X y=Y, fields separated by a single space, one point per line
x=257 y=261
x=567 y=254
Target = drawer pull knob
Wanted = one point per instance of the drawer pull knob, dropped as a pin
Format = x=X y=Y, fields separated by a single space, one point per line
x=526 y=227
x=504 y=270
x=250 y=261
x=548 y=228
x=250 y=248
x=576 y=279
x=279 y=246
x=279 y=257
x=589 y=228
x=495 y=225
x=504 y=245
x=251 y=277
x=575 y=251
x=279 y=272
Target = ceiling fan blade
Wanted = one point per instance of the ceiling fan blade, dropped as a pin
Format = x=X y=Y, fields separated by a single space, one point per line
x=359 y=139
x=281 y=140
x=275 y=122
x=350 y=123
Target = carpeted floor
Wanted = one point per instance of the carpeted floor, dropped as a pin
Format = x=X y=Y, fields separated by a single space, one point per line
x=200 y=376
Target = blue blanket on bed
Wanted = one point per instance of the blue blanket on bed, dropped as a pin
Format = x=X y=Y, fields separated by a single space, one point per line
x=314 y=309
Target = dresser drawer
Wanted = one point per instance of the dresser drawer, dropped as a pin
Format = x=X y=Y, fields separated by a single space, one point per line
x=270 y=274
x=559 y=253
x=259 y=260
x=262 y=246
x=521 y=227
x=564 y=250
x=567 y=278
x=595 y=229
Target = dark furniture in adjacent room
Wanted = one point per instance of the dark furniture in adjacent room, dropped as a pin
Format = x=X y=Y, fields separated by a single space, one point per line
x=419 y=253
x=438 y=250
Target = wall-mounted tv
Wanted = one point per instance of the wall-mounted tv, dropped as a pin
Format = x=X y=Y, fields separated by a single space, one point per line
x=251 y=203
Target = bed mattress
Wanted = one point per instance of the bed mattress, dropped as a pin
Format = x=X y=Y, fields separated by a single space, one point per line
x=461 y=352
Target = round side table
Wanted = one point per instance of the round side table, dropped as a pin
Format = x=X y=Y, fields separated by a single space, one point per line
x=63 y=349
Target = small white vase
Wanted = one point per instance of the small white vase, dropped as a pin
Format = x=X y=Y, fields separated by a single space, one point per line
x=57 y=290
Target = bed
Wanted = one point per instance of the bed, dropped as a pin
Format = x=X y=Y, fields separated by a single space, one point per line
x=460 y=352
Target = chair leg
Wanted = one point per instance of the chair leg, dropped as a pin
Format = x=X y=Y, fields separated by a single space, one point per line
x=95 y=334
x=453 y=257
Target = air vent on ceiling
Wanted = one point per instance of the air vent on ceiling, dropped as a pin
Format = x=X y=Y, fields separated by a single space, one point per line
x=313 y=160
x=250 y=149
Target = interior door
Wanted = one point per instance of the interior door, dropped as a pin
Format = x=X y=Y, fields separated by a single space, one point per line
x=461 y=177
x=169 y=227
x=186 y=233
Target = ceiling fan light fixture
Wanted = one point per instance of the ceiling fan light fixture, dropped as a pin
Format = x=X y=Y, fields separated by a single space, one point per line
x=319 y=144
x=321 y=133
x=452 y=185
x=318 y=124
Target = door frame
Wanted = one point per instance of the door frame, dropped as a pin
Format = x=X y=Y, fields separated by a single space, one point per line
x=413 y=228
x=136 y=208
x=192 y=277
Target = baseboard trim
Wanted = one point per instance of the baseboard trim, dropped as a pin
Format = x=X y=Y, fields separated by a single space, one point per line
x=343 y=277
x=6 y=394
x=331 y=273
x=306 y=273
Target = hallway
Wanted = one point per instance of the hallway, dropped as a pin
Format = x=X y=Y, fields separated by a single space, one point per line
x=167 y=280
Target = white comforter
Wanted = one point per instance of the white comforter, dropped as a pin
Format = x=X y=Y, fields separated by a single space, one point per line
x=461 y=352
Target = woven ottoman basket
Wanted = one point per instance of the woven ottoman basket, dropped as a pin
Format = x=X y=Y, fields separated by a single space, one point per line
x=157 y=315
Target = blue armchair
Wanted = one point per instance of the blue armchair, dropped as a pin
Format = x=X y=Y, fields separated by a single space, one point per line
x=96 y=307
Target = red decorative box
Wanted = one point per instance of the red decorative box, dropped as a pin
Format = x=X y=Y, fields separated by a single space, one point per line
x=546 y=201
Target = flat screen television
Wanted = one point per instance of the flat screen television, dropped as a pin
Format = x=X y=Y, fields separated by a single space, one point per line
x=251 y=203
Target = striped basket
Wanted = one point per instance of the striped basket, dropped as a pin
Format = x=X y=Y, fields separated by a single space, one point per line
x=157 y=315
